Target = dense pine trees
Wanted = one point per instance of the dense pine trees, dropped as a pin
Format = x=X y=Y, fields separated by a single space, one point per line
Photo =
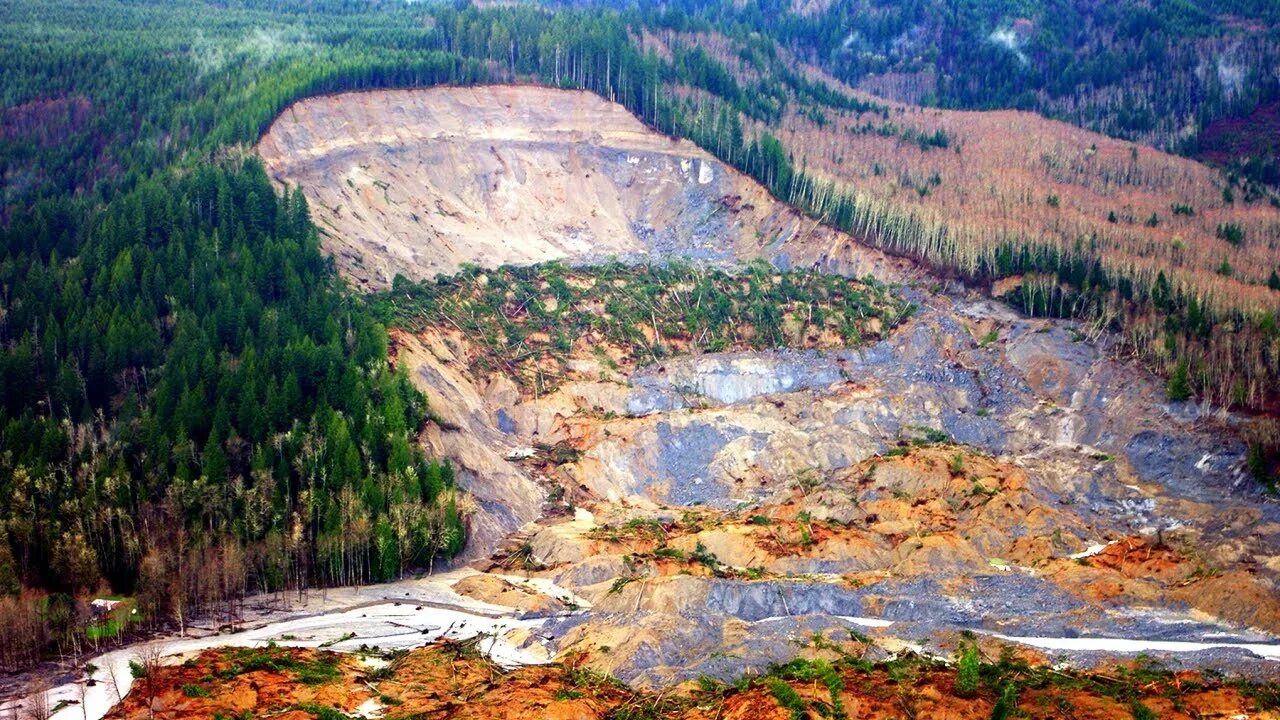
x=193 y=394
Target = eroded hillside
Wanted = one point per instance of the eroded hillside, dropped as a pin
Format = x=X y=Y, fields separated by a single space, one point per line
x=961 y=468
x=420 y=182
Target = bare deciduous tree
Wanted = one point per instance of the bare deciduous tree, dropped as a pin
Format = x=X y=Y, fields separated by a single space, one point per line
x=114 y=680
x=146 y=667
x=38 y=701
x=23 y=632
x=82 y=694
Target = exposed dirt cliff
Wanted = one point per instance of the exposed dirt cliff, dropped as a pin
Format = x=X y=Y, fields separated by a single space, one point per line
x=418 y=182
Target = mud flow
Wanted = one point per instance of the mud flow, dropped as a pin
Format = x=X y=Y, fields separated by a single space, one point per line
x=958 y=471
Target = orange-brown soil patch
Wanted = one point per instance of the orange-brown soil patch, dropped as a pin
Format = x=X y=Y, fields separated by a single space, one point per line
x=452 y=681
x=278 y=682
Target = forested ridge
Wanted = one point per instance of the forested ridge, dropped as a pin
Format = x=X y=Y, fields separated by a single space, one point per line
x=194 y=407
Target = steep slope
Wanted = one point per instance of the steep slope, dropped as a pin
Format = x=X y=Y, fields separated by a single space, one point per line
x=1184 y=260
x=419 y=182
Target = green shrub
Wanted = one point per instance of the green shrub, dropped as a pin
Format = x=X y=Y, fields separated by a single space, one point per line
x=620 y=583
x=704 y=556
x=1179 y=385
x=1007 y=704
x=788 y=698
x=1231 y=232
x=323 y=712
x=967 y=672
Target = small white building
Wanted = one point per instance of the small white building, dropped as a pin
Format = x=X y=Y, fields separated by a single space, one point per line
x=102 y=607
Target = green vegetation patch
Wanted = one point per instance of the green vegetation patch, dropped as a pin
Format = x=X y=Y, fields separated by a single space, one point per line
x=322 y=669
x=323 y=712
x=521 y=317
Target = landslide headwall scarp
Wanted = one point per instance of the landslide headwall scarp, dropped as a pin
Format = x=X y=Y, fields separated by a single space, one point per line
x=419 y=182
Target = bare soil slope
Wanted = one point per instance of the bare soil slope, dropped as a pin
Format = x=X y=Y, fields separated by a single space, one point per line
x=418 y=182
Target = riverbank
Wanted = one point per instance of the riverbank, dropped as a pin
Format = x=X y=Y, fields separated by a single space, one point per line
x=398 y=615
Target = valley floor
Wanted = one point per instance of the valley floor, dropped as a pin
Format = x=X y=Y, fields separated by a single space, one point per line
x=459 y=614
